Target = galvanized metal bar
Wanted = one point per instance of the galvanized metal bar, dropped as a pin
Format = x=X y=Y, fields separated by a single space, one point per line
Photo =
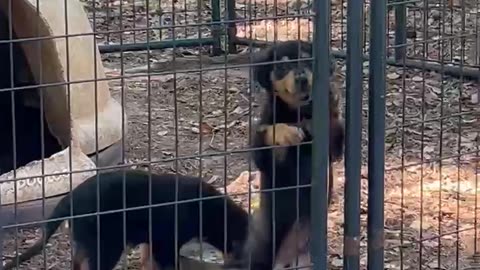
x=470 y=72
x=400 y=30
x=353 y=139
x=216 y=29
x=232 y=28
x=376 y=135
x=155 y=45
x=450 y=70
x=321 y=86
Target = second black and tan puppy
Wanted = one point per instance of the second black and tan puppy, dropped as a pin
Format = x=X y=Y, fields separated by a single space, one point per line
x=285 y=121
x=167 y=227
x=287 y=77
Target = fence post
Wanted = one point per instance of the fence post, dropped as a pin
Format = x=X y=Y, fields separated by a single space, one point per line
x=216 y=28
x=320 y=123
x=232 y=26
x=400 y=31
x=376 y=135
x=353 y=138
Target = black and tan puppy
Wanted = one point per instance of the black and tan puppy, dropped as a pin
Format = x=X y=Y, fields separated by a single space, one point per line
x=166 y=226
x=287 y=78
x=285 y=123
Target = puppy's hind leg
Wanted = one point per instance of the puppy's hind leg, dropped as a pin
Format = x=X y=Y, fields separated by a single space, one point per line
x=332 y=180
x=145 y=262
x=80 y=259
x=107 y=258
x=164 y=255
x=294 y=249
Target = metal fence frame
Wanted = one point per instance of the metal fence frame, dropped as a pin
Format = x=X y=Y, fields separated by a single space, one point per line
x=354 y=89
x=229 y=32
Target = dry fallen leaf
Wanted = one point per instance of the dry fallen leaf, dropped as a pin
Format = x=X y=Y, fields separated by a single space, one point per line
x=337 y=262
x=417 y=79
x=474 y=98
x=204 y=127
x=393 y=75
x=162 y=133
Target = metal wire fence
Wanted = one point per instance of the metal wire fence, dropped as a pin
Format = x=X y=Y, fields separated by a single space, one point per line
x=166 y=86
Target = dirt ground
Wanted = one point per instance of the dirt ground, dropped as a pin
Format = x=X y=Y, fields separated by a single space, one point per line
x=431 y=127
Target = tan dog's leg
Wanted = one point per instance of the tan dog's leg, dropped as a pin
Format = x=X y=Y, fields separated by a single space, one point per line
x=145 y=258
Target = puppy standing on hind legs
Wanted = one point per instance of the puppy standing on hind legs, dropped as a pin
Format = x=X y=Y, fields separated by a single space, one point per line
x=288 y=83
x=136 y=226
x=285 y=123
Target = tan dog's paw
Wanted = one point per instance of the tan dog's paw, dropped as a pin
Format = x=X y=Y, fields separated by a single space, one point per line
x=285 y=135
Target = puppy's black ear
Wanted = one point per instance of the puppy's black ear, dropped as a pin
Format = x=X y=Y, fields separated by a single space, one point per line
x=263 y=68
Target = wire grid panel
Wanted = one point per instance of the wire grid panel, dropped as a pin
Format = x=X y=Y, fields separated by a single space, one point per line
x=195 y=120
x=431 y=127
x=450 y=27
x=431 y=136
x=125 y=25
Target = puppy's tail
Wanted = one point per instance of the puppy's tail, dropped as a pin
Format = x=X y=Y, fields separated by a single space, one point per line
x=61 y=210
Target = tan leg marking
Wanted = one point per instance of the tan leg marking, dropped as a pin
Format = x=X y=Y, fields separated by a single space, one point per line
x=294 y=246
x=285 y=135
x=332 y=174
x=80 y=260
x=145 y=258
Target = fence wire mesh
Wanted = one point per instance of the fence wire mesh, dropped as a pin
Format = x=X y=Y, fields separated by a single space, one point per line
x=167 y=86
